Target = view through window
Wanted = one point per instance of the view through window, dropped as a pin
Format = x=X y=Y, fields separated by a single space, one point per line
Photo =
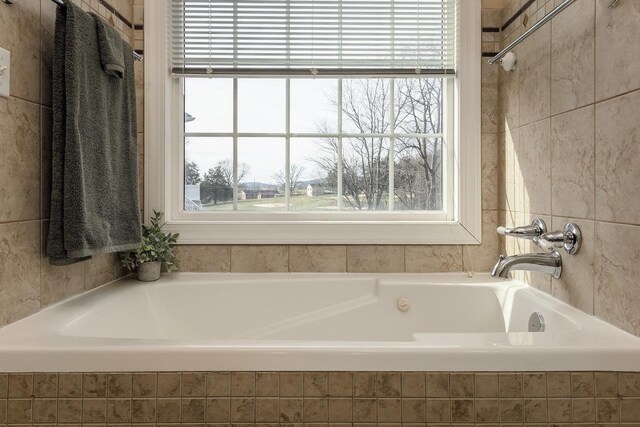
x=321 y=145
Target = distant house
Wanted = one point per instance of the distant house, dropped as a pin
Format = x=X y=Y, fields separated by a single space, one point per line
x=261 y=194
x=315 y=190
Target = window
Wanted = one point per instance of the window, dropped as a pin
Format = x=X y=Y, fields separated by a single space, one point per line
x=316 y=121
x=315 y=145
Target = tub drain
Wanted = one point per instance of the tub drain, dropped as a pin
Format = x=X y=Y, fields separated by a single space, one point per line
x=536 y=322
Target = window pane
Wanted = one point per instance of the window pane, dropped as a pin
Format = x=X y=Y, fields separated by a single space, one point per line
x=418 y=104
x=208 y=105
x=313 y=174
x=261 y=177
x=314 y=105
x=208 y=170
x=261 y=105
x=418 y=174
x=365 y=176
x=365 y=106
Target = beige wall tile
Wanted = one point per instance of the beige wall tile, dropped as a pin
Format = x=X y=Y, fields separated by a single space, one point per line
x=20 y=34
x=509 y=98
x=19 y=160
x=101 y=269
x=58 y=282
x=533 y=183
x=490 y=171
x=490 y=101
x=573 y=164
x=19 y=270
x=375 y=259
x=576 y=285
x=203 y=258
x=482 y=258
x=617 y=49
x=430 y=259
x=617 y=154
x=317 y=258
x=617 y=267
x=255 y=259
x=535 y=79
x=572 y=57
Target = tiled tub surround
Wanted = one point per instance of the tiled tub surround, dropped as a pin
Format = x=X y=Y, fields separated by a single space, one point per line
x=27 y=281
x=314 y=321
x=568 y=148
x=321 y=398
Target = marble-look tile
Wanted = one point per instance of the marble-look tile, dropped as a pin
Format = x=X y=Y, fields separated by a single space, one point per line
x=490 y=171
x=490 y=102
x=507 y=171
x=19 y=270
x=101 y=269
x=203 y=258
x=20 y=34
x=317 y=258
x=617 y=48
x=375 y=259
x=617 y=266
x=433 y=259
x=533 y=173
x=617 y=159
x=46 y=139
x=573 y=164
x=58 y=282
x=47 y=48
x=509 y=98
x=482 y=258
x=535 y=76
x=572 y=57
x=19 y=159
x=259 y=259
x=576 y=285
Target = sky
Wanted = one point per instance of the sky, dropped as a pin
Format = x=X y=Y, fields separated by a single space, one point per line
x=261 y=109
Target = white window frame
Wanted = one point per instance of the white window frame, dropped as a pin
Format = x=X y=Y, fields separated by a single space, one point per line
x=164 y=166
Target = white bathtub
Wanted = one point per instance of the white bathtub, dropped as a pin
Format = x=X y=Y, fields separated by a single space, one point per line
x=251 y=322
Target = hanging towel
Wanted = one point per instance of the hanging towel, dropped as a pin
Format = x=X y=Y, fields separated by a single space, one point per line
x=111 y=48
x=94 y=197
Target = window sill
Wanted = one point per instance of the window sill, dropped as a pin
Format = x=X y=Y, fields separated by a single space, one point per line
x=325 y=232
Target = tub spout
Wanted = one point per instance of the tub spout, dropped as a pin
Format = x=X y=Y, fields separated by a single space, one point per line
x=545 y=263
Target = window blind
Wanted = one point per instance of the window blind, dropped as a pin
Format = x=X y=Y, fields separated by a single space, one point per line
x=313 y=37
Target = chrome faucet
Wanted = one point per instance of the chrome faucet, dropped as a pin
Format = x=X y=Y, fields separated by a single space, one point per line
x=544 y=263
x=551 y=261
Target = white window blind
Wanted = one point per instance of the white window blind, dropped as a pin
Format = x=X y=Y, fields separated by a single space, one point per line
x=318 y=37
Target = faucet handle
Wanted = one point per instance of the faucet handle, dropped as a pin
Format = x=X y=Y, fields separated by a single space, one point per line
x=569 y=239
x=536 y=229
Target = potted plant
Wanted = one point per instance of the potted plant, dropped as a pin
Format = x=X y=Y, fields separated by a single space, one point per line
x=154 y=254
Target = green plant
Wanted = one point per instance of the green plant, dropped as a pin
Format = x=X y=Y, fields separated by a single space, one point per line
x=156 y=246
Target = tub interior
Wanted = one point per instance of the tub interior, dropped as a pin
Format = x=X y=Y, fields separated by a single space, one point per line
x=363 y=309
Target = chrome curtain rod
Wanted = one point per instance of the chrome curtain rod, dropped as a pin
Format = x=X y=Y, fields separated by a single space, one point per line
x=562 y=6
x=136 y=55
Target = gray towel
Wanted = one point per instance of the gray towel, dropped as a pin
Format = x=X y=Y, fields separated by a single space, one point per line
x=111 y=48
x=94 y=197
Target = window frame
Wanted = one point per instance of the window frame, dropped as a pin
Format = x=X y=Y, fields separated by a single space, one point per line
x=164 y=165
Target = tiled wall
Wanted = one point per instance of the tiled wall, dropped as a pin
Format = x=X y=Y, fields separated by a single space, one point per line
x=570 y=147
x=321 y=398
x=27 y=281
x=382 y=258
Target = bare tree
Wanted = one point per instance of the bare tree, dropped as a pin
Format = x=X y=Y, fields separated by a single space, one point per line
x=365 y=165
x=226 y=167
x=295 y=172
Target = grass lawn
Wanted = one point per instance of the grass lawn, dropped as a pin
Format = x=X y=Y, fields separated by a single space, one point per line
x=298 y=203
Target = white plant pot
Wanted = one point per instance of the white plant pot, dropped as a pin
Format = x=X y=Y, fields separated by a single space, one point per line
x=149 y=271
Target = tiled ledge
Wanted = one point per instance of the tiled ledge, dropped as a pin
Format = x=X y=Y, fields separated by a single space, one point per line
x=345 y=398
